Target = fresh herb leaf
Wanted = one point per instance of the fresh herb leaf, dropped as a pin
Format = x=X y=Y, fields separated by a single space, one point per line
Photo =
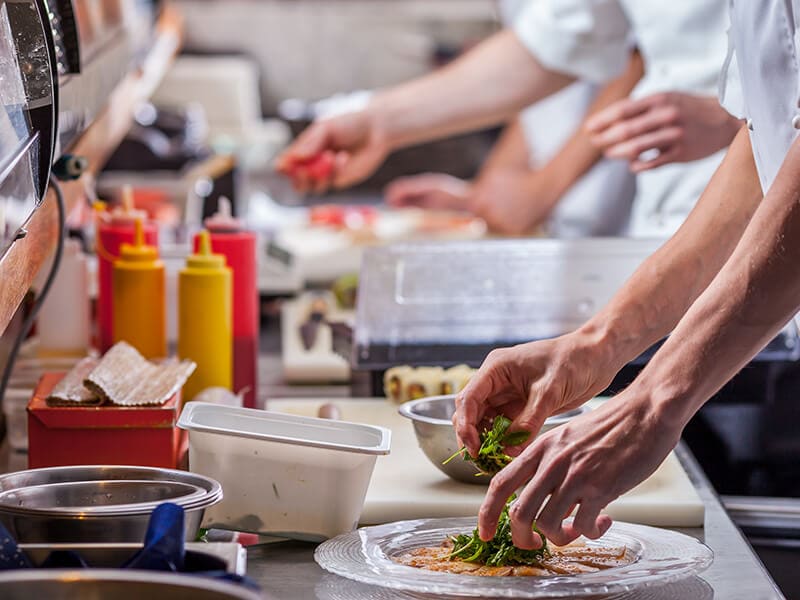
x=516 y=438
x=500 y=551
x=491 y=454
x=202 y=535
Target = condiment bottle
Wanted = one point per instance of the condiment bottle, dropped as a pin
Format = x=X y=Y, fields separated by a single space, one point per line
x=113 y=230
x=69 y=295
x=204 y=319
x=138 y=283
x=238 y=246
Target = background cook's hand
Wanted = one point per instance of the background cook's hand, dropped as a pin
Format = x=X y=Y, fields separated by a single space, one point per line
x=512 y=201
x=437 y=191
x=588 y=462
x=529 y=382
x=338 y=152
x=679 y=127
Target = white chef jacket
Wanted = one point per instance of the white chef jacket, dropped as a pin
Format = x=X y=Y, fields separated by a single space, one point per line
x=683 y=44
x=599 y=203
x=765 y=46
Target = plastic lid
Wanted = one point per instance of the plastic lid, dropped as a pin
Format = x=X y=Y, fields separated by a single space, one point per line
x=127 y=214
x=204 y=258
x=223 y=219
x=138 y=251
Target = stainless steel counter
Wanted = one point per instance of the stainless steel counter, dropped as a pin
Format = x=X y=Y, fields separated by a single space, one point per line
x=287 y=569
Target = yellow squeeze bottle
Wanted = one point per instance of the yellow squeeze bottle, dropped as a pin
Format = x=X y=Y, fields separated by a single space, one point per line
x=138 y=297
x=205 y=329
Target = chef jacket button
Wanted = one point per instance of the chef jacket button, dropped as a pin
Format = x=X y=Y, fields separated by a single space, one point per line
x=796 y=122
x=749 y=123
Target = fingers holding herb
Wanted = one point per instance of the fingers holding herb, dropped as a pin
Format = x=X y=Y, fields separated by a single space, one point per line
x=500 y=550
x=491 y=456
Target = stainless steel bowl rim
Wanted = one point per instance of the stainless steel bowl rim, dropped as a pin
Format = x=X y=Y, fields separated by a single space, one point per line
x=199 y=495
x=408 y=410
x=129 y=509
x=85 y=473
x=90 y=473
x=67 y=576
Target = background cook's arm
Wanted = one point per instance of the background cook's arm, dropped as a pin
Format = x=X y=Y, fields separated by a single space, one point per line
x=513 y=197
x=486 y=86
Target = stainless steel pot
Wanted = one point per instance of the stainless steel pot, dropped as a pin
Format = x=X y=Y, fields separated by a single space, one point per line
x=98 y=503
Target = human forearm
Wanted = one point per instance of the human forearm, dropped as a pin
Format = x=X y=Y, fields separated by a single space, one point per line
x=486 y=86
x=510 y=151
x=579 y=154
x=663 y=288
x=754 y=295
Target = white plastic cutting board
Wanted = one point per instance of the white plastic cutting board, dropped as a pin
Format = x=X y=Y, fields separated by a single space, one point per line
x=405 y=485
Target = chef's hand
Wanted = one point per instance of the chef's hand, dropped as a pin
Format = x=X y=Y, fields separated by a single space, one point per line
x=530 y=382
x=674 y=126
x=588 y=462
x=336 y=152
x=436 y=191
x=512 y=201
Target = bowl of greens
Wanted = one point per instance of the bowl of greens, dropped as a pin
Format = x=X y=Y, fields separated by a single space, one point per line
x=433 y=426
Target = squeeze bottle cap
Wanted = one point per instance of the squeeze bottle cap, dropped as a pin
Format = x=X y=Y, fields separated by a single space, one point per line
x=127 y=214
x=138 y=251
x=204 y=258
x=223 y=219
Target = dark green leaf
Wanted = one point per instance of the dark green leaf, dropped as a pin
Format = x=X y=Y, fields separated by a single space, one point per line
x=516 y=438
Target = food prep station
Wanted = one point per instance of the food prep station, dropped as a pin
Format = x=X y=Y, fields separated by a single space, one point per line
x=271 y=486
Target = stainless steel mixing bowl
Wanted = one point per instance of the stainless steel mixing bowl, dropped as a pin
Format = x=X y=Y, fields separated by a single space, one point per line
x=98 y=503
x=432 y=419
x=62 y=584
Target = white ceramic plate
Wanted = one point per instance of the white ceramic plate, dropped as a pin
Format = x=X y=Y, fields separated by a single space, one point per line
x=661 y=557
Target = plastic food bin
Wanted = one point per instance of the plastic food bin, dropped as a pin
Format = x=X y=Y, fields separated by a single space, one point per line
x=284 y=475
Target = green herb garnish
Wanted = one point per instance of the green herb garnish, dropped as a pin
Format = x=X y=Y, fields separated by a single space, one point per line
x=202 y=535
x=500 y=551
x=491 y=455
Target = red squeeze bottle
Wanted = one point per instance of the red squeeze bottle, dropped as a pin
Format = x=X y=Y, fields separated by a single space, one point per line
x=114 y=229
x=229 y=238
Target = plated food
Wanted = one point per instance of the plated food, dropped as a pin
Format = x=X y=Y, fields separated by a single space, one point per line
x=469 y=555
x=567 y=560
x=378 y=556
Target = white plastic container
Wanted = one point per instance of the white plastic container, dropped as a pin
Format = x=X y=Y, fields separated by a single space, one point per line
x=60 y=335
x=15 y=409
x=284 y=475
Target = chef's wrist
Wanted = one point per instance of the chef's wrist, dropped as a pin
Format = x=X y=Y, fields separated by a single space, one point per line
x=608 y=346
x=391 y=119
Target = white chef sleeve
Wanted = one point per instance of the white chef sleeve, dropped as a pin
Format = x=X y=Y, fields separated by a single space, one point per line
x=730 y=85
x=589 y=39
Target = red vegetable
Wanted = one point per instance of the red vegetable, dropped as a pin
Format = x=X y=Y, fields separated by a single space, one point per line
x=318 y=167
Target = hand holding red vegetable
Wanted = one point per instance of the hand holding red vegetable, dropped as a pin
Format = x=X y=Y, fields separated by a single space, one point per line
x=336 y=152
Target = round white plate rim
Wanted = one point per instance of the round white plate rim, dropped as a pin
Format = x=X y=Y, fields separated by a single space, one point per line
x=583 y=585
